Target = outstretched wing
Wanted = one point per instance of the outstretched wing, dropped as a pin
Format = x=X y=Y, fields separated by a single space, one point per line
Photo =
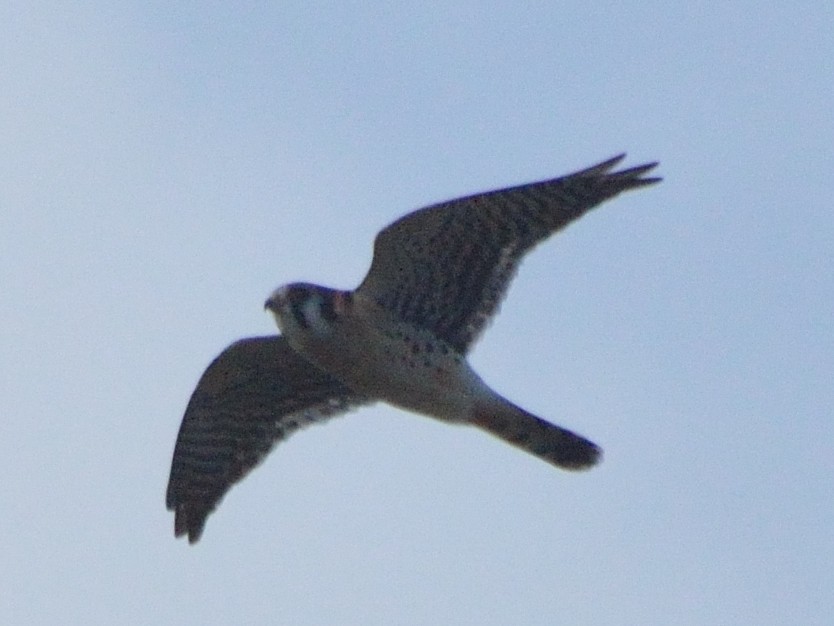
x=447 y=267
x=255 y=393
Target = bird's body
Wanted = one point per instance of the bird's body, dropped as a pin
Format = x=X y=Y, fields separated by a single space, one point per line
x=366 y=348
x=437 y=277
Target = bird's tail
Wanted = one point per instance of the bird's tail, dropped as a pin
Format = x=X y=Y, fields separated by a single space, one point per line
x=547 y=441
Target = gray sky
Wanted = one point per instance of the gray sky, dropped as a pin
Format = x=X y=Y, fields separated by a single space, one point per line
x=164 y=168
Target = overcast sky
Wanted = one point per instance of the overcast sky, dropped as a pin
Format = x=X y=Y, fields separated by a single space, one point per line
x=163 y=167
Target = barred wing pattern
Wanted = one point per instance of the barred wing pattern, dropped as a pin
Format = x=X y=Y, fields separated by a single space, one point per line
x=447 y=267
x=255 y=393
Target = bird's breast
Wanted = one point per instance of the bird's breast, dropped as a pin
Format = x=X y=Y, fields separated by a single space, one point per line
x=382 y=357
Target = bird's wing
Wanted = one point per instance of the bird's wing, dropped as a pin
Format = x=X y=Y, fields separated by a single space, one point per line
x=447 y=267
x=255 y=393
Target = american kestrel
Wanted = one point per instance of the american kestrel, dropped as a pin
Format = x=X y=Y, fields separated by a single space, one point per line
x=437 y=277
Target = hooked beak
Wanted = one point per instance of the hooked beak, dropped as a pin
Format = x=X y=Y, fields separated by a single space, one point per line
x=276 y=301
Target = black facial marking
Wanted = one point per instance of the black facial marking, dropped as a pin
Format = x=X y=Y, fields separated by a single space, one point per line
x=296 y=297
x=328 y=310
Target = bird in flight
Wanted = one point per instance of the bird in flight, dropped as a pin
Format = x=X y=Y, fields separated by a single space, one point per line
x=437 y=277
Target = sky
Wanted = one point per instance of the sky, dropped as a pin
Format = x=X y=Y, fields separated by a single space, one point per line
x=165 y=166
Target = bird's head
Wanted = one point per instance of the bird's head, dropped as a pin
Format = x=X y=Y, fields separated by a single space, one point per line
x=302 y=308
